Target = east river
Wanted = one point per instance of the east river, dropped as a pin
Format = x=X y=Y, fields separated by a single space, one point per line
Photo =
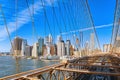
x=10 y=65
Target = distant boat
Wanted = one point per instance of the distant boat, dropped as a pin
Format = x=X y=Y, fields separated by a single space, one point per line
x=29 y=58
x=53 y=58
x=50 y=58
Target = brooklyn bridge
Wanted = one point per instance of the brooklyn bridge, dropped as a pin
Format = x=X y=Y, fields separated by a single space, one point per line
x=74 y=22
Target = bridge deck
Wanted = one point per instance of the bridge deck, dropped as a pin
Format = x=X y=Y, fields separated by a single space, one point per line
x=84 y=65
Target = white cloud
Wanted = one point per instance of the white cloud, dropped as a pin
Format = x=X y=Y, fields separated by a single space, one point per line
x=23 y=18
x=89 y=28
x=50 y=2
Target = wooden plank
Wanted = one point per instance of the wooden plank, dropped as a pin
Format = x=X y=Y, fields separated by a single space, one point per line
x=22 y=78
x=87 y=72
x=75 y=64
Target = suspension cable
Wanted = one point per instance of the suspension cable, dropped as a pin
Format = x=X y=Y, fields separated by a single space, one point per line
x=68 y=18
x=93 y=23
x=112 y=42
x=16 y=11
x=46 y=18
x=6 y=27
x=33 y=8
x=86 y=16
x=64 y=21
x=33 y=23
x=67 y=14
x=54 y=13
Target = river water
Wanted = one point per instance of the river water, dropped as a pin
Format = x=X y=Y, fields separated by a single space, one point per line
x=10 y=65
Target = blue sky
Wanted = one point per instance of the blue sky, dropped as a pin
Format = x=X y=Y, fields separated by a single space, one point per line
x=102 y=13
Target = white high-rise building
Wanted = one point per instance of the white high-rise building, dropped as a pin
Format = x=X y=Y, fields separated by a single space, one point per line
x=92 y=41
x=35 y=50
x=107 y=47
x=24 y=44
x=48 y=49
x=48 y=40
x=59 y=38
x=48 y=43
x=68 y=47
x=86 y=48
x=61 y=48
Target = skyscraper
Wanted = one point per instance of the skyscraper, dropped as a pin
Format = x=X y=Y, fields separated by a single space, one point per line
x=48 y=43
x=71 y=50
x=35 y=50
x=86 y=48
x=52 y=50
x=59 y=38
x=68 y=47
x=55 y=46
x=48 y=49
x=41 y=44
x=77 y=44
x=44 y=50
x=17 y=46
x=48 y=40
x=61 y=48
x=24 y=44
x=28 y=51
x=107 y=47
x=117 y=42
x=92 y=41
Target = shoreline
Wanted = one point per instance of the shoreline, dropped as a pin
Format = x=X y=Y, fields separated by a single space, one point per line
x=49 y=60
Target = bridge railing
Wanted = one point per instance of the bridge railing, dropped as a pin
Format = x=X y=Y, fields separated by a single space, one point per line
x=33 y=73
x=71 y=69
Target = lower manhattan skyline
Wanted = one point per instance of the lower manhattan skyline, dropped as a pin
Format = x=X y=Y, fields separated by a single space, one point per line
x=60 y=39
x=24 y=21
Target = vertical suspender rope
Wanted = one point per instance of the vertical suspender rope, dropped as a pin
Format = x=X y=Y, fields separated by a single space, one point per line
x=64 y=21
x=33 y=8
x=16 y=12
x=93 y=23
x=45 y=14
x=54 y=13
x=33 y=23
